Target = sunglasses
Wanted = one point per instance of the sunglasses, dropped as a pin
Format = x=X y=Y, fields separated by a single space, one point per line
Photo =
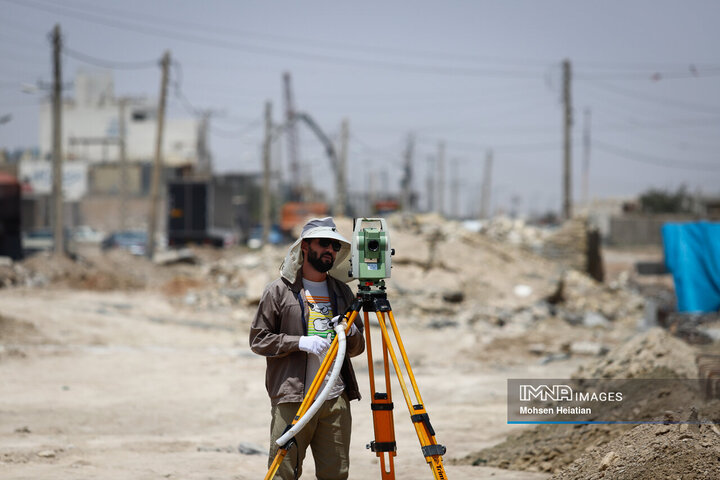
x=325 y=242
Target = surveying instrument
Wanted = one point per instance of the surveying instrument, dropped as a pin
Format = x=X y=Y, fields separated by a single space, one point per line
x=371 y=264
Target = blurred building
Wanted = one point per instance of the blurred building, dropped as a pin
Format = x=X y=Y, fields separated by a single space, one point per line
x=91 y=127
x=93 y=175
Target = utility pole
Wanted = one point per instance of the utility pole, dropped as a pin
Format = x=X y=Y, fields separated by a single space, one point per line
x=586 y=161
x=567 y=146
x=486 y=186
x=430 y=183
x=441 y=179
x=371 y=181
x=267 y=144
x=298 y=189
x=157 y=167
x=406 y=183
x=342 y=168
x=454 y=189
x=203 y=150
x=123 y=165
x=57 y=193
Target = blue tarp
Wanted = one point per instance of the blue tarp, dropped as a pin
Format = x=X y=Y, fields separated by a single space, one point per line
x=692 y=255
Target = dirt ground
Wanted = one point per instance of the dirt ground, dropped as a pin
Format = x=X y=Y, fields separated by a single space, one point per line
x=128 y=370
x=124 y=385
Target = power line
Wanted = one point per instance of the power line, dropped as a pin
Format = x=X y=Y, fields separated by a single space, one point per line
x=237 y=133
x=643 y=65
x=236 y=120
x=284 y=53
x=653 y=160
x=679 y=144
x=384 y=151
x=654 y=76
x=481 y=148
x=695 y=122
x=641 y=70
x=384 y=49
x=651 y=98
x=111 y=64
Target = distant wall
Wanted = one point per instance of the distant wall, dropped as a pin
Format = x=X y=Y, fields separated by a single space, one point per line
x=104 y=212
x=630 y=230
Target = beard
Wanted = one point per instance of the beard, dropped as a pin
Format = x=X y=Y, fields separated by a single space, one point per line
x=321 y=264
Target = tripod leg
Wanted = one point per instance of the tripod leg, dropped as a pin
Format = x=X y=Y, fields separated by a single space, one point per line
x=431 y=450
x=311 y=394
x=381 y=405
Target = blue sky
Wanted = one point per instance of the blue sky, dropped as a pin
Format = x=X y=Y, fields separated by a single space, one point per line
x=477 y=75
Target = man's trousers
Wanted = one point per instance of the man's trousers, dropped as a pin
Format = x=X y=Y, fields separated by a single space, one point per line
x=327 y=434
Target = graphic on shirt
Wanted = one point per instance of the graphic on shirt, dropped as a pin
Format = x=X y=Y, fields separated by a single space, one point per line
x=320 y=316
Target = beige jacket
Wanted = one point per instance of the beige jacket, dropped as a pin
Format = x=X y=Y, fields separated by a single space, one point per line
x=275 y=333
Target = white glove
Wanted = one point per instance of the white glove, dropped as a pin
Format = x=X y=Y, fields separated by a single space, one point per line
x=338 y=318
x=314 y=344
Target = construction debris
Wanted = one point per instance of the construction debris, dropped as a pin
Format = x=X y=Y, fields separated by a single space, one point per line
x=642 y=354
x=552 y=447
x=649 y=452
x=508 y=294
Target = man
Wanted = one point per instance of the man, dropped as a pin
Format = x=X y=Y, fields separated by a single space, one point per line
x=291 y=329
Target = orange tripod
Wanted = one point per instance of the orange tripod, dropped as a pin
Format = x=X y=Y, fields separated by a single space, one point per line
x=371 y=297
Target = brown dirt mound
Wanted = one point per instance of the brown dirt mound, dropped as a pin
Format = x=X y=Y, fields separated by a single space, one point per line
x=550 y=448
x=643 y=353
x=649 y=452
x=180 y=285
x=115 y=271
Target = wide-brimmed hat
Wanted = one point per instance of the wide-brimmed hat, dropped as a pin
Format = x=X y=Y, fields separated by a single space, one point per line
x=317 y=228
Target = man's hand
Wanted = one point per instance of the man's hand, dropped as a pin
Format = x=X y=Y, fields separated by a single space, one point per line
x=341 y=319
x=314 y=344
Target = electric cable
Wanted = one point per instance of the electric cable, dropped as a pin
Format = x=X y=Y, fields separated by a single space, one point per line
x=640 y=70
x=281 y=52
x=653 y=76
x=653 y=160
x=239 y=133
x=651 y=98
x=378 y=49
x=115 y=65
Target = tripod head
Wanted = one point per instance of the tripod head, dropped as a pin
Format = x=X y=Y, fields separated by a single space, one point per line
x=371 y=253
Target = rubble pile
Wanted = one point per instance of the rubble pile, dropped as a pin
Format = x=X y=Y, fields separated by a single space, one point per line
x=444 y=275
x=516 y=232
x=580 y=317
x=511 y=293
x=114 y=270
x=580 y=300
x=442 y=263
x=648 y=452
x=551 y=447
x=440 y=270
x=234 y=281
x=14 y=274
x=439 y=259
x=653 y=350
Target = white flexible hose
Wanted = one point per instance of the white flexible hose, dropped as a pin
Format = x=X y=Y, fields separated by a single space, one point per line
x=320 y=399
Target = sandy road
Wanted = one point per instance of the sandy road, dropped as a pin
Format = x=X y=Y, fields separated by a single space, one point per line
x=129 y=386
